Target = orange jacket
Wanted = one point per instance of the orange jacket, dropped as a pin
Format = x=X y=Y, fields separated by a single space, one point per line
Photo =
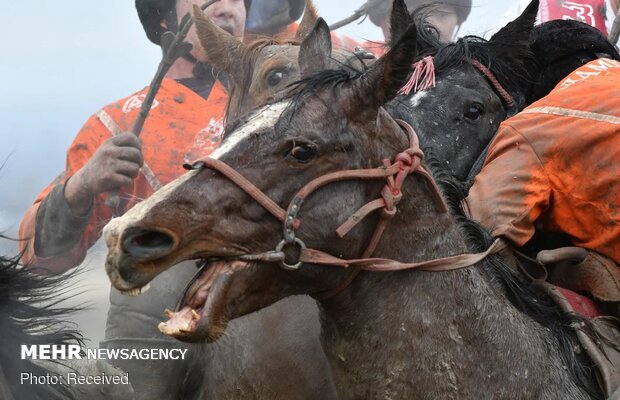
x=555 y=165
x=180 y=121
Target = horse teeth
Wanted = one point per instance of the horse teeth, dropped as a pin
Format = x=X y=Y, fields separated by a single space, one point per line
x=169 y=313
x=137 y=291
x=145 y=288
x=195 y=315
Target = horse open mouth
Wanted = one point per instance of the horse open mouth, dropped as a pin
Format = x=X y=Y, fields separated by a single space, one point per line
x=200 y=313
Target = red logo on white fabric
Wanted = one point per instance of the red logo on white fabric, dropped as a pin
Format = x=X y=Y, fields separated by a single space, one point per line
x=135 y=102
x=580 y=12
x=207 y=140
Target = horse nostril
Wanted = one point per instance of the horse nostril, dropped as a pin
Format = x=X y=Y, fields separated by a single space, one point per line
x=143 y=244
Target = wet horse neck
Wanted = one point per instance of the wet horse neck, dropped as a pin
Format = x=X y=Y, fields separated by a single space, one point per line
x=441 y=334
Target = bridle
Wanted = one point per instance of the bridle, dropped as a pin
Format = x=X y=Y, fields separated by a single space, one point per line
x=510 y=105
x=507 y=99
x=394 y=173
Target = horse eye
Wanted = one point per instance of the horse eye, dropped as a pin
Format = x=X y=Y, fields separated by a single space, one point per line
x=474 y=112
x=274 y=78
x=302 y=153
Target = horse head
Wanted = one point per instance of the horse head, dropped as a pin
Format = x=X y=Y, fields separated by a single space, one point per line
x=458 y=117
x=331 y=121
x=265 y=66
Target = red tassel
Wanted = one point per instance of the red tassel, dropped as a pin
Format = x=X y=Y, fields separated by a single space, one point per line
x=422 y=78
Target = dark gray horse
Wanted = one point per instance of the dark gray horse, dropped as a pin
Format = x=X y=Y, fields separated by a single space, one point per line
x=460 y=114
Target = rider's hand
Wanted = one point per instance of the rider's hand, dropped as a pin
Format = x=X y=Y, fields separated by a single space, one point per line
x=115 y=164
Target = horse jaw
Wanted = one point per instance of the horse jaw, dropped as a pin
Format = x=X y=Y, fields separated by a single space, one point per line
x=202 y=314
x=220 y=291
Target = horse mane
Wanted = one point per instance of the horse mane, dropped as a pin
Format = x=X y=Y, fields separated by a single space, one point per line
x=521 y=294
x=249 y=58
x=329 y=78
x=511 y=73
x=31 y=313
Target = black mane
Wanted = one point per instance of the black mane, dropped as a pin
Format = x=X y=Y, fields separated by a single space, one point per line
x=31 y=313
x=511 y=74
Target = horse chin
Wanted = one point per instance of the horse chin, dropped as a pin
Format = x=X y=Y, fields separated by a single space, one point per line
x=202 y=313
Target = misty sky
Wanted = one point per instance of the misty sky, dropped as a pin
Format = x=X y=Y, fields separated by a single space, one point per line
x=61 y=61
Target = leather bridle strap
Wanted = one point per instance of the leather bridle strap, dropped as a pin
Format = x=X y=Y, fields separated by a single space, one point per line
x=247 y=186
x=503 y=93
x=405 y=163
x=384 y=264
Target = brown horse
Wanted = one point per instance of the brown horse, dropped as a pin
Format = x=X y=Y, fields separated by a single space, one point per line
x=477 y=332
x=260 y=348
x=265 y=66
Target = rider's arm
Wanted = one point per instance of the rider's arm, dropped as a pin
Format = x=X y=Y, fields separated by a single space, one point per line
x=512 y=190
x=52 y=235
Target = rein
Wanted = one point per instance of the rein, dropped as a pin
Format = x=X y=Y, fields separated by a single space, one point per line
x=405 y=163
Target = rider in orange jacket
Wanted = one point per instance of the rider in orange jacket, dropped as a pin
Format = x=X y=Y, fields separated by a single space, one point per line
x=185 y=122
x=68 y=216
x=552 y=167
x=59 y=236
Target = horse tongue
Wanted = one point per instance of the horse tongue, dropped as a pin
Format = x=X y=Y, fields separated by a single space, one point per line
x=196 y=294
x=180 y=323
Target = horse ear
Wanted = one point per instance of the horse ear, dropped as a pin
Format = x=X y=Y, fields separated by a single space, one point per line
x=310 y=18
x=385 y=122
x=517 y=32
x=399 y=20
x=384 y=79
x=316 y=49
x=223 y=50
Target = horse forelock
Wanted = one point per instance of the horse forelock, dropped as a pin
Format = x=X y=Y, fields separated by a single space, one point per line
x=326 y=79
x=511 y=73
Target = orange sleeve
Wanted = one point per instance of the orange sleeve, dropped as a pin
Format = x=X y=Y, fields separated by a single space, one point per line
x=88 y=140
x=512 y=190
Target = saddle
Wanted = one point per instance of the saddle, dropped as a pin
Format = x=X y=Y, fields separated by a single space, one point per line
x=564 y=273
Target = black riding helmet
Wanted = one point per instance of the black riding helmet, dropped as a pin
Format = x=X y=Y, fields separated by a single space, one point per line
x=152 y=12
x=269 y=16
x=559 y=47
x=380 y=9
